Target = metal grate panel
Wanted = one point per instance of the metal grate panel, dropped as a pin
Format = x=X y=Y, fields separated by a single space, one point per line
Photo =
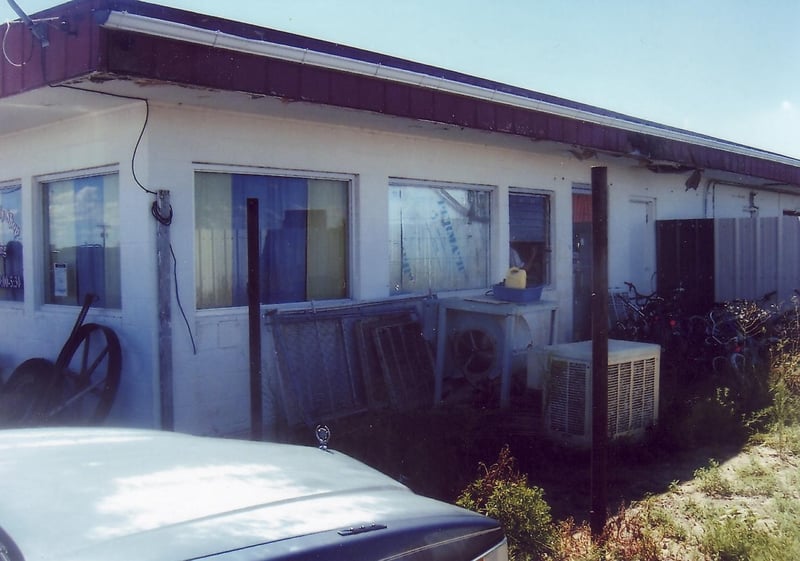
x=335 y=362
x=406 y=363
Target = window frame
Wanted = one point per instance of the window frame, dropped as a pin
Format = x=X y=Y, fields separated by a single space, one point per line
x=10 y=184
x=549 y=250
x=350 y=249
x=41 y=225
x=490 y=190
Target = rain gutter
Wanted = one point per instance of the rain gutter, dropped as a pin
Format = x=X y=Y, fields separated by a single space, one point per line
x=126 y=21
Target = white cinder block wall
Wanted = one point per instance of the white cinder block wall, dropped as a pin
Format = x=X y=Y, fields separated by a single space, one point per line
x=211 y=386
x=31 y=328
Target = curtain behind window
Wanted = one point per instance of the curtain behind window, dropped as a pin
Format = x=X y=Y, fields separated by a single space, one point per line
x=302 y=238
x=326 y=273
x=282 y=237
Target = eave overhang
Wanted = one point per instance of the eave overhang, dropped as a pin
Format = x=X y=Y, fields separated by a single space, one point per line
x=99 y=40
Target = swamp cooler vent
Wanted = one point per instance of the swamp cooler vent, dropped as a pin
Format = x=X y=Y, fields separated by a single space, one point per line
x=566 y=376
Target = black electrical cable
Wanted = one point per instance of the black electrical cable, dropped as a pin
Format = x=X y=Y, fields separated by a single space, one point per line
x=154 y=210
x=178 y=298
x=139 y=141
x=165 y=220
x=141 y=132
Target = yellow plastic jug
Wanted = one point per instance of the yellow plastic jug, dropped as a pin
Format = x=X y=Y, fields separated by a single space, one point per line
x=516 y=278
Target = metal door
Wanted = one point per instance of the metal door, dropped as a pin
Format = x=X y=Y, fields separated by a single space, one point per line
x=581 y=265
x=641 y=244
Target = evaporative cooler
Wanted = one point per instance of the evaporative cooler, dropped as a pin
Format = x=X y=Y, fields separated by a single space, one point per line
x=564 y=374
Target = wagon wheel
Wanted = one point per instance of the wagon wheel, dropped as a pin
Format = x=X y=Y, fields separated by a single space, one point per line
x=22 y=395
x=91 y=366
x=474 y=354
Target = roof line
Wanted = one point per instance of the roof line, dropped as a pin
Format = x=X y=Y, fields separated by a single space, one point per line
x=126 y=21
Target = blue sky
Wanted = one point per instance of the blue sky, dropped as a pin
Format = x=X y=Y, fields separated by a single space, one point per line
x=727 y=68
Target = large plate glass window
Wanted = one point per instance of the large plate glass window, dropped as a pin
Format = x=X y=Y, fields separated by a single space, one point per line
x=11 y=277
x=439 y=235
x=81 y=231
x=529 y=235
x=303 y=238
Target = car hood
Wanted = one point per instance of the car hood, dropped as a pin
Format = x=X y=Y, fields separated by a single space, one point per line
x=128 y=494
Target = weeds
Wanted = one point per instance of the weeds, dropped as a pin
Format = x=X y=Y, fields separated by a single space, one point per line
x=630 y=535
x=783 y=413
x=711 y=481
x=755 y=480
x=736 y=535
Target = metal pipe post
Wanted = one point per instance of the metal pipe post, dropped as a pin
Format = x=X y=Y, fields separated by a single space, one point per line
x=254 y=315
x=599 y=492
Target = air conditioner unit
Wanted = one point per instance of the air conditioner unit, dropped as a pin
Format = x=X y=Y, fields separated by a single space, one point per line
x=633 y=385
x=477 y=339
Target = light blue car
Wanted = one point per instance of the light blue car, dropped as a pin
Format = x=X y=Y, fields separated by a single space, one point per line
x=100 y=494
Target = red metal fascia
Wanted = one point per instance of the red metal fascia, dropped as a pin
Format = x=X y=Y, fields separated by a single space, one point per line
x=73 y=50
x=80 y=46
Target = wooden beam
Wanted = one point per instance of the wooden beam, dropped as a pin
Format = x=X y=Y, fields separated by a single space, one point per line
x=164 y=272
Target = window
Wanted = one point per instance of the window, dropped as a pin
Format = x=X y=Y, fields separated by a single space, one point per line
x=439 y=236
x=11 y=277
x=302 y=243
x=81 y=230
x=529 y=234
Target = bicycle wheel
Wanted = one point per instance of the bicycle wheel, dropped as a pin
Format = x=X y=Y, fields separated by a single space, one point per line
x=91 y=369
x=22 y=395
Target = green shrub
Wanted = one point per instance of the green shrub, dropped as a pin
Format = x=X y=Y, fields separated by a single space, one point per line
x=504 y=494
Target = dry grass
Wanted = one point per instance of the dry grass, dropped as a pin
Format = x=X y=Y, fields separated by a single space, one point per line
x=743 y=509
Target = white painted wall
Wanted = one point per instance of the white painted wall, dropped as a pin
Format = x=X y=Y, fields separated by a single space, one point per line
x=211 y=387
x=33 y=329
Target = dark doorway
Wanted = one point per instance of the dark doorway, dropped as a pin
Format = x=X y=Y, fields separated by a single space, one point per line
x=581 y=264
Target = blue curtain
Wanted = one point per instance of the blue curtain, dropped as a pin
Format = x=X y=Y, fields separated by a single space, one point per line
x=283 y=204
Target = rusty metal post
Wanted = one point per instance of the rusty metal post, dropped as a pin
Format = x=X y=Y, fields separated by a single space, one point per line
x=254 y=315
x=599 y=492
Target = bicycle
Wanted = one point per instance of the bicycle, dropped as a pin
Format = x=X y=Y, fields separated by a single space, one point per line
x=648 y=317
x=742 y=337
x=79 y=387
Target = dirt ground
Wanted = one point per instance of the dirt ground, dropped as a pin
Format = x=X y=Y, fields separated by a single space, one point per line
x=438 y=452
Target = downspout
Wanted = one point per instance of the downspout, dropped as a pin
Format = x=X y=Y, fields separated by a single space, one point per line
x=710 y=190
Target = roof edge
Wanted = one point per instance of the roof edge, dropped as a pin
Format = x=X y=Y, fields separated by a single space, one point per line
x=485 y=91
